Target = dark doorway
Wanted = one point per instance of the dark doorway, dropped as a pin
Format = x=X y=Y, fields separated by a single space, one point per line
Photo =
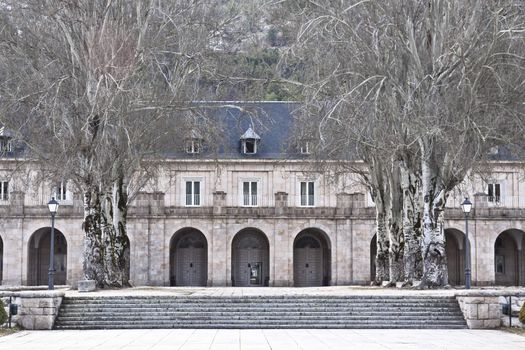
x=38 y=252
x=311 y=259
x=189 y=258
x=250 y=259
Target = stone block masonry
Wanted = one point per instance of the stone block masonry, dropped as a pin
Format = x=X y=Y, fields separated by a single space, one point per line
x=36 y=309
x=483 y=309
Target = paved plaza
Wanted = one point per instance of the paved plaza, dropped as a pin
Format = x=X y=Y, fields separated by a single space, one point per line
x=232 y=339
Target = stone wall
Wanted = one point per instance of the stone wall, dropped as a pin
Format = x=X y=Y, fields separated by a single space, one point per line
x=36 y=309
x=483 y=309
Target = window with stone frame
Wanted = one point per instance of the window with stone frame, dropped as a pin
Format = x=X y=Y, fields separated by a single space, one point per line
x=193 y=193
x=249 y=193
x=494 y=192
x=307 y=193
x=61 y=191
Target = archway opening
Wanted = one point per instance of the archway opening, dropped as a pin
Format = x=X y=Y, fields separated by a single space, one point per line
x=455 y=250
x=38 y=258
x=509 y=258
x=250 y=259
x=311 y=259
x=373 y=253
x=188 y=258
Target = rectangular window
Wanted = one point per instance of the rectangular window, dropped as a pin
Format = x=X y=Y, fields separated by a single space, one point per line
x=249 y=193
x=5 y=145
x=193 y=193
x=61 y=191
x=250 y=146
x=4 y=190
x=305 y=147
x=307 y=193
x=494 y=193
x=193 y=146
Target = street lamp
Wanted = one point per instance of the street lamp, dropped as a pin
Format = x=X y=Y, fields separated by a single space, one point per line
x=53 y=208
x=466 y=206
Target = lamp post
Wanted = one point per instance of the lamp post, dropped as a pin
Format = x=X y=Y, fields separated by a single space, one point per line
x=466 y=206
x=53 y=208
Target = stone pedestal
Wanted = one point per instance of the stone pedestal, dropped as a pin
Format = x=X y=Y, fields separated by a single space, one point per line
x=87 y=285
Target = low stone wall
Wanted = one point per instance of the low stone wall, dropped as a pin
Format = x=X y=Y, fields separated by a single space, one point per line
x=482 y=309
x=36 y=309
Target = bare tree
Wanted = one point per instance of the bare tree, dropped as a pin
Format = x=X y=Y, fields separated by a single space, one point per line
x=444 y=78
x=95 y=88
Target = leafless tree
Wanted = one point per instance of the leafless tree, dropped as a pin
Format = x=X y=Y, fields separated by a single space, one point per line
x=96 y=89
x=443 y=79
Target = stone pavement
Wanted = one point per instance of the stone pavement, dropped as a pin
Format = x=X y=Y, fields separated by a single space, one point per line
x=285 y=339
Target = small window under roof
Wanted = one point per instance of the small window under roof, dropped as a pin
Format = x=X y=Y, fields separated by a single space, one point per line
x=249 y=141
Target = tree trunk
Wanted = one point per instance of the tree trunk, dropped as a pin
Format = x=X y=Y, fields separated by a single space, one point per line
x=106 y=248
x=382 y=256
x=93 y=263
x=413 y=258
x=378 y=190
x=395 y=229
x=435 y=272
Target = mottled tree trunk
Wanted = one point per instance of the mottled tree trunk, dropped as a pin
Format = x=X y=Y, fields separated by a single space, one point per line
x=435 y=272
x=92 y=263
x=378 y=190
x=395 y=226
x=382 y=258
x=106 y=248
x=413 y=258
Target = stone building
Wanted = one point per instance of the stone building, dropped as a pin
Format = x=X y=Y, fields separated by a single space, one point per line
x=256 y=215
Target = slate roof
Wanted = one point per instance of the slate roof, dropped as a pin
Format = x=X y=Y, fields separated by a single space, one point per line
x=271 y=121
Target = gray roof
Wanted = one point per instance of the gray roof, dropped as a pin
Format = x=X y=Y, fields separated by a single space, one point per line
x=272 y=120
x=250 y=134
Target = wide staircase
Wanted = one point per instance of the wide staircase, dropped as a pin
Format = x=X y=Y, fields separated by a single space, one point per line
x=259 y=312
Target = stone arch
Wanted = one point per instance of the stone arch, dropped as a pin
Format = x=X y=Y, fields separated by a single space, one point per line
x=250 y=262
x=455 y=250
x=312 y=258
x=188 y=258
x=509 y=258
x=38 y=257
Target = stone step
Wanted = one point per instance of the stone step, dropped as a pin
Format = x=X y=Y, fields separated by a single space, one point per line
x=260 y=305
x=290 y=302
x=68 y=313
x=258 y=299
x=259 y=312
x=260 y=324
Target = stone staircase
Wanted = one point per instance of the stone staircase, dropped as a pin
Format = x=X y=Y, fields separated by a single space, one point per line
x=127 y=312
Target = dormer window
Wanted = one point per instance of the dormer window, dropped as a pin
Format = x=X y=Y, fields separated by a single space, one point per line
x=194 y=143
x=5 y=145
x=6 y=137
x=193 y=146
x=249 y=142
x=305 y=147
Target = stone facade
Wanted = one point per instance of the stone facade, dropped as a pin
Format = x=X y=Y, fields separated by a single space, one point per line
x=341 y=218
